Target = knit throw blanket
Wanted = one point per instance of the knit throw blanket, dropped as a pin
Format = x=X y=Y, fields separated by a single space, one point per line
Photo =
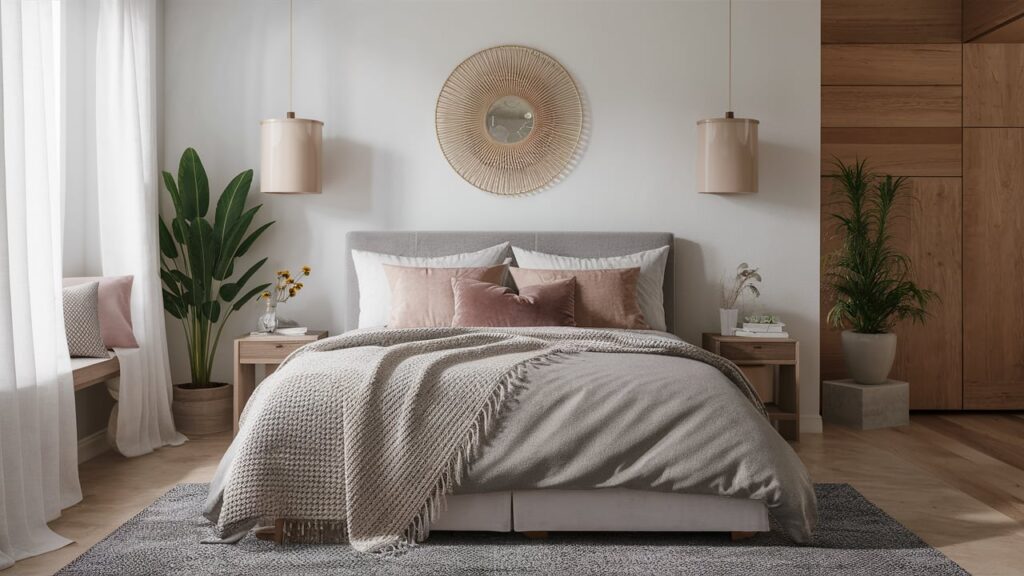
x=359 y=437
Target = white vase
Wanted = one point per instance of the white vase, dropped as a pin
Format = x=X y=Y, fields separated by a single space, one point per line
x=728 y=318
x=869 y=357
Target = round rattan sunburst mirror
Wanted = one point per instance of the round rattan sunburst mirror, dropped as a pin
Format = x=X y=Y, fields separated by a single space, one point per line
x=509 y=119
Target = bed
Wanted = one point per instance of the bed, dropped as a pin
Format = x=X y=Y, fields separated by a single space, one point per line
x=681 y=446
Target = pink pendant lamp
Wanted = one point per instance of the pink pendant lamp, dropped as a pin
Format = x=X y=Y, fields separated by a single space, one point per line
x=291 y=149
x=727 y=148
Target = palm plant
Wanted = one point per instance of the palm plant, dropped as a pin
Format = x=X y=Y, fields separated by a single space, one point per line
x=197 y=262
x=868 y=281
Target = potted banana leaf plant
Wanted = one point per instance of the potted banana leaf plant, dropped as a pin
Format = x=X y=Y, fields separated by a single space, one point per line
x=868 y=281
x=200 y=286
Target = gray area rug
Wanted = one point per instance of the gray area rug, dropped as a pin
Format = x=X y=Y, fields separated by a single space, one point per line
x=853 y=537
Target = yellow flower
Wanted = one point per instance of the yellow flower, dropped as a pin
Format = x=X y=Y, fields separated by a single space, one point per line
x=306 y=270
x=298 y=285
x=265 y=295
x=282 y=272
x=290 y=281
x=292 y=292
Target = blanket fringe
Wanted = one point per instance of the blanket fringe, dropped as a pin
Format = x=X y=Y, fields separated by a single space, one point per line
x=314 y=531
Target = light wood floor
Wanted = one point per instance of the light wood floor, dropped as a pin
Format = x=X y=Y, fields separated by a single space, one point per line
x=956 y=480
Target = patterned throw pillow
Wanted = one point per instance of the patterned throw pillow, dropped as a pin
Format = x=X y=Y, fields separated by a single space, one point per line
x=82 y=321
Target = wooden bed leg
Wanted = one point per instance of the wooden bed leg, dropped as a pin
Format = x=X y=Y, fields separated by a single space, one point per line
x=274 y=534
x=535 y=534
x=737 y=535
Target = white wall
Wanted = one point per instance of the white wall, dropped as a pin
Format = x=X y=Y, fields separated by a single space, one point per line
x=371 y=70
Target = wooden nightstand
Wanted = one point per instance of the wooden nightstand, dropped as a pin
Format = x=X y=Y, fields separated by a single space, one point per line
x=773 y=366
x=267 y=350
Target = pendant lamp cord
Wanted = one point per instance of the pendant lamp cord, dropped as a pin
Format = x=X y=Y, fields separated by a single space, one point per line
x=290 y=57
x=730 y=56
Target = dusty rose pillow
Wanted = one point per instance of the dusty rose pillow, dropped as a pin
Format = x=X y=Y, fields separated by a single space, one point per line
x=115 y=306
x=486 y=304
x=604 y=298
x=423 y=297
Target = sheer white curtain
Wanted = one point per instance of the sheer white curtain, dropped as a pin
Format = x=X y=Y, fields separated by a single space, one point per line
x=38 y=449
x=128 y=202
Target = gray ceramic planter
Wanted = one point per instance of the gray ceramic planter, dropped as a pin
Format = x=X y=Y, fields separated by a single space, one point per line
x=869 y=357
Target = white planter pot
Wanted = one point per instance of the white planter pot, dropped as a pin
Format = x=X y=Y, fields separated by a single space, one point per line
x=869 y=357
x=728 y=318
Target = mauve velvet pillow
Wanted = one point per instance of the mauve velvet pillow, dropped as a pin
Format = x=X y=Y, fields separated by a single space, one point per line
x=604 y=298
x=115 y=303
x=423 y=297
x=490 y=305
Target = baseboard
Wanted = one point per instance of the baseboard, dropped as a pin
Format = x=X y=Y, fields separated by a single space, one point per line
x=92 y=446
x=810 y=424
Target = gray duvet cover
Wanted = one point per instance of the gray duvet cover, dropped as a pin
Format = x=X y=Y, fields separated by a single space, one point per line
x=643 y=422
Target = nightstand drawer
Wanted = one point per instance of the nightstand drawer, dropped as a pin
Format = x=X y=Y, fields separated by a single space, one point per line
x=758 y=351
x=269 y=352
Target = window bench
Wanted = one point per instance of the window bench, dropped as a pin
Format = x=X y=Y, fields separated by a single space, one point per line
x=90 y=371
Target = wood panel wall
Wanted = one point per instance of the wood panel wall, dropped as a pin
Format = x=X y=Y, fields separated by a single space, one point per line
x=1012 y=32
x=994 y=268
x=993 y=85
x=890 y=21
x=993 y=226
x=900 y=89
x=993 y=20
x=892 y=76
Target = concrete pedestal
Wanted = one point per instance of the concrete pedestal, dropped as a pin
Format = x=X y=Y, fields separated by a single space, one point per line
x=865 y=406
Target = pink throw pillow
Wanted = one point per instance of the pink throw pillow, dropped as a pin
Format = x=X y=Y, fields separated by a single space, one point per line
x=490 y=305
x=604 y=298
x=115 y=307
x=423 y=297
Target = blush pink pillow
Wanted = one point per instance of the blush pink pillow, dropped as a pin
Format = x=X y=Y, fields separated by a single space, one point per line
x=490 y=305
x=604 y=298
x=423 y=297
x=115 y=307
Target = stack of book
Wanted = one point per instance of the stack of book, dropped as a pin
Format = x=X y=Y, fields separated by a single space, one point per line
x=761 y=330
x=286 y=331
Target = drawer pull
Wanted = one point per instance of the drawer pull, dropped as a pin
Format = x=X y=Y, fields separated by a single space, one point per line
x=278 y=345
x=757 y=347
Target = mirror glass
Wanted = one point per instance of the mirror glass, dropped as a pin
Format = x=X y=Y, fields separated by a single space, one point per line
x=509 y=120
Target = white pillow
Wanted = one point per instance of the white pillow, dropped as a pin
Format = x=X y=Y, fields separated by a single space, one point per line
x=374 y=291
x=649 y=289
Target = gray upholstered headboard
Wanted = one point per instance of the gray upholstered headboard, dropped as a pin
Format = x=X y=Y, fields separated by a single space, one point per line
x=580 y=244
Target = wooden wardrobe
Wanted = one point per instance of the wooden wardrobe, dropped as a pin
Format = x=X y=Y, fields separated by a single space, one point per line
x=934 y=90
